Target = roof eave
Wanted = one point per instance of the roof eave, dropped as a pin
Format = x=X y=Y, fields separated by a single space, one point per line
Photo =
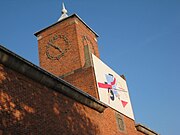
x=38 y=32
x=28 y=69
x=145 y=130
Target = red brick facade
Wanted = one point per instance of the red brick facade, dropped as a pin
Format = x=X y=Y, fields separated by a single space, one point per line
x=30 y=108
x=75 y=70
x=27 y=107
x=74 y=58
x=84 y=79
x=71 y=65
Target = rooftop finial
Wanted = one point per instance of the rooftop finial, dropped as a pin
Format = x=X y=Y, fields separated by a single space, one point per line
x=64 y=12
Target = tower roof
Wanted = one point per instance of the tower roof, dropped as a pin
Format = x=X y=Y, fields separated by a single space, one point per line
x=71 y=16
x=64 y=17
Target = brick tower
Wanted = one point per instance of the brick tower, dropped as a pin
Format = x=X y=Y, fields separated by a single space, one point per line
x=65 y=49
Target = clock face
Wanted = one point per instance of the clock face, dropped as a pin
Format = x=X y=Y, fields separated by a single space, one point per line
x=57 y=46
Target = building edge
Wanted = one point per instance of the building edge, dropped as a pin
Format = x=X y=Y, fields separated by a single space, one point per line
x=30 y=70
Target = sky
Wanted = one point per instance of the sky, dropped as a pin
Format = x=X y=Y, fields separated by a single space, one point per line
x=137 y=38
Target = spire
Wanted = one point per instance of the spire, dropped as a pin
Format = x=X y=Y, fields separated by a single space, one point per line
x=64 y=13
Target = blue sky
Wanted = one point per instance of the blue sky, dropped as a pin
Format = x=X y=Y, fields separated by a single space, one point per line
x=138 y=38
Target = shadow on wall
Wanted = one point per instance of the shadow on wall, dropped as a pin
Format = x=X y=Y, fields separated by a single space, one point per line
x=30 y=108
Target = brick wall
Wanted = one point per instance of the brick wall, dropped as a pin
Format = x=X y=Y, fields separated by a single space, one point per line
x=73 y=58
x=27 y=107
x=66 y=63
x=72 y=63
x=84 y=79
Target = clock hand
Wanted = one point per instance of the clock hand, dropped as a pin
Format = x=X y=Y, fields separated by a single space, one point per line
x=56 y=47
